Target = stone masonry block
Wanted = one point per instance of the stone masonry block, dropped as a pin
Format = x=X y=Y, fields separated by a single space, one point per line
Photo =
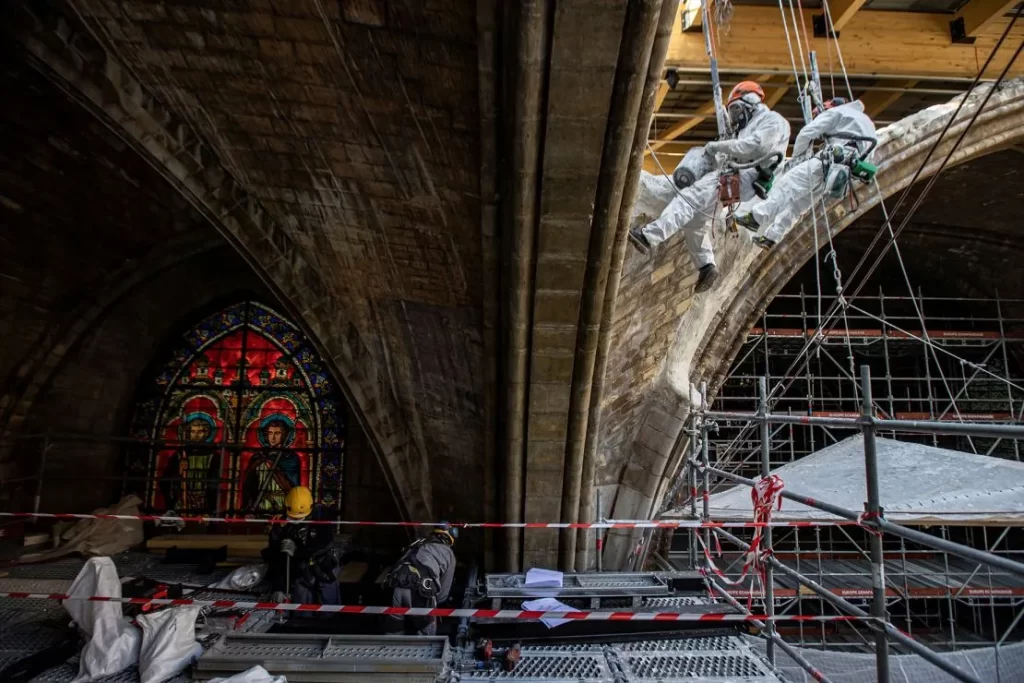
x=551 y=368
x=249 y=23
x=556 y=307
x=548 y=335
x=276 y=49
x=655 y=440
x=560 y=273
x=666 y=423
x=547 y=398
x=541 y=508
x=569 y=196
x=301 y=30
x=545 y=455
x=547 y=426
x=662 y=272
x=312 y=53
x=559 y=236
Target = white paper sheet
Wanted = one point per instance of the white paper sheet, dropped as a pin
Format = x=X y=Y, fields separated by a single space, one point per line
x=543 y=578
x=548 y=605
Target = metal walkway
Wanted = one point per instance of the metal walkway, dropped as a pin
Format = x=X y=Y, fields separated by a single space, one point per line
x=709 y=659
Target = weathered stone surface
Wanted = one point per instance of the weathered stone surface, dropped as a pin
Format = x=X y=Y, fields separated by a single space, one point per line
x=665 y=339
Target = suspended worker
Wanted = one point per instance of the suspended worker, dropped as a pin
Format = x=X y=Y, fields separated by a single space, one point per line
x=760 y=137
x=422 y=578
x=848 y=137
x=301 y=557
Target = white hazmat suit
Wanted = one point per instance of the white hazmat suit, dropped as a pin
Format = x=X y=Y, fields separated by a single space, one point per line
x=804 y=180
x=692 y=210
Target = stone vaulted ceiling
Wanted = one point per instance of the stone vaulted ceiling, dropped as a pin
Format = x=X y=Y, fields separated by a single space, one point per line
x=439 y=191
x=432 y=188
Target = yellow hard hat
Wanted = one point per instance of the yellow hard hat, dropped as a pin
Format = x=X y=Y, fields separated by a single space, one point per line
x=298 y=503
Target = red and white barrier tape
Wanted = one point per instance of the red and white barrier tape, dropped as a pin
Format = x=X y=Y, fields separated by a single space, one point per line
x=429 y=611
x=611 y=524
x=765 y=496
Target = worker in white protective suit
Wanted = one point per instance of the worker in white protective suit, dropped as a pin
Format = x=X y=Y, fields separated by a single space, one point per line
x=760 y=136
x=848 y=136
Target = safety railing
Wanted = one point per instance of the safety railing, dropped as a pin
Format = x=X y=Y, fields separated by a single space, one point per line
x=872 y=518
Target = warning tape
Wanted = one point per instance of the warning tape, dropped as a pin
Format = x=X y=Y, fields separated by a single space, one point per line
x=611 y=524
x=431 y=611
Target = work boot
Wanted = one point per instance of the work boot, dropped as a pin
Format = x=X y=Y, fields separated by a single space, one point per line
x=706 y=277
x=637 y=239
x=748 y=222
x=763 y=242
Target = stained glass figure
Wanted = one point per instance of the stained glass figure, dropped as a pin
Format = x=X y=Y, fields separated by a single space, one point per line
x=242 y=410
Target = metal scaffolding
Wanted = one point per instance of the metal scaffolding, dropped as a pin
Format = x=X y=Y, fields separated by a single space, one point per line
x=940 y=598
x=880 y=625
x=974 y=383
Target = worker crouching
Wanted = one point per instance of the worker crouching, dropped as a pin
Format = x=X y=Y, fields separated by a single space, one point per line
x=422 y=578
x=847 y=138
x=301 y=557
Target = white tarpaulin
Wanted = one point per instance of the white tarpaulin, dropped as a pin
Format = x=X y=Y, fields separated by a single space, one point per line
x=113 y=642
x=917 y=484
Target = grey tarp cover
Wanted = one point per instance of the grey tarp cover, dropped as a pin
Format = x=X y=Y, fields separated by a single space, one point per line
x=918 y=484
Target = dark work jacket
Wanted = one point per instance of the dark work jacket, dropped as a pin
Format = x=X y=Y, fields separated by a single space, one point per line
x=309 y=539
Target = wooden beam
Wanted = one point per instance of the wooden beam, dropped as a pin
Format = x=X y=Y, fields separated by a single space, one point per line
x=707 y=110
x=977 y=14
x=877 y=101
x=704 y=111
x=873 y=42
x=772 y=95
x=842 y=11
x=663 y=89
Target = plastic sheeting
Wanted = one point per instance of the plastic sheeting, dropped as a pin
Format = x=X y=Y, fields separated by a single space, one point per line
x=168 y=643
x=257 y=674
x=99 y=536
x=917 y=484
x=986 y=664
x=113 y=642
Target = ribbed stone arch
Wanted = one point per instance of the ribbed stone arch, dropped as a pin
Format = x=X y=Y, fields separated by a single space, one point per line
x=74 y=61
x=711 y=329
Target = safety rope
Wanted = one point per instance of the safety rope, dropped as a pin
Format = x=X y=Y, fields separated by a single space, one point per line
x=814 y=341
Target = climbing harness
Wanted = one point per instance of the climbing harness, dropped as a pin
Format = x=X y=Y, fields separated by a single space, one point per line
x=729 y=184
x=410 y=574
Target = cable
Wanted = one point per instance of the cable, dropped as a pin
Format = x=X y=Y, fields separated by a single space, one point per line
x=838 y=303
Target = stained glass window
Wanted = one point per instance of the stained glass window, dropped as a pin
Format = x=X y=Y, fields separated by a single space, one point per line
x=242 y=410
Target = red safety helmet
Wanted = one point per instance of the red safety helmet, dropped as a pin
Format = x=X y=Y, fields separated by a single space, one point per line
x=744 y=88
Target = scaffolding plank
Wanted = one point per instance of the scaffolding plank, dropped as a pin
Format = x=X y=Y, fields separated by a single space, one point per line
x=312 y=658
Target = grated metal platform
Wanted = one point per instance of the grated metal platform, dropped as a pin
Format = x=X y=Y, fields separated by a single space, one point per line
x=708 y=659
x=597 y=590
x=316 y=658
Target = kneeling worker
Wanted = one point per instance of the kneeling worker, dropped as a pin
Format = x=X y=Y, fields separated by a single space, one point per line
x=301 y=556
x=422 y=578
x=848 y=135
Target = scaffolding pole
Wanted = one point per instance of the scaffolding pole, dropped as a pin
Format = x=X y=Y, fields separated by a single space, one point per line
x=873 y=510
x=874 y=623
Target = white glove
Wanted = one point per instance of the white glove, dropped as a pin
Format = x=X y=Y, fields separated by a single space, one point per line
x=288 y=547
x=711 y=149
